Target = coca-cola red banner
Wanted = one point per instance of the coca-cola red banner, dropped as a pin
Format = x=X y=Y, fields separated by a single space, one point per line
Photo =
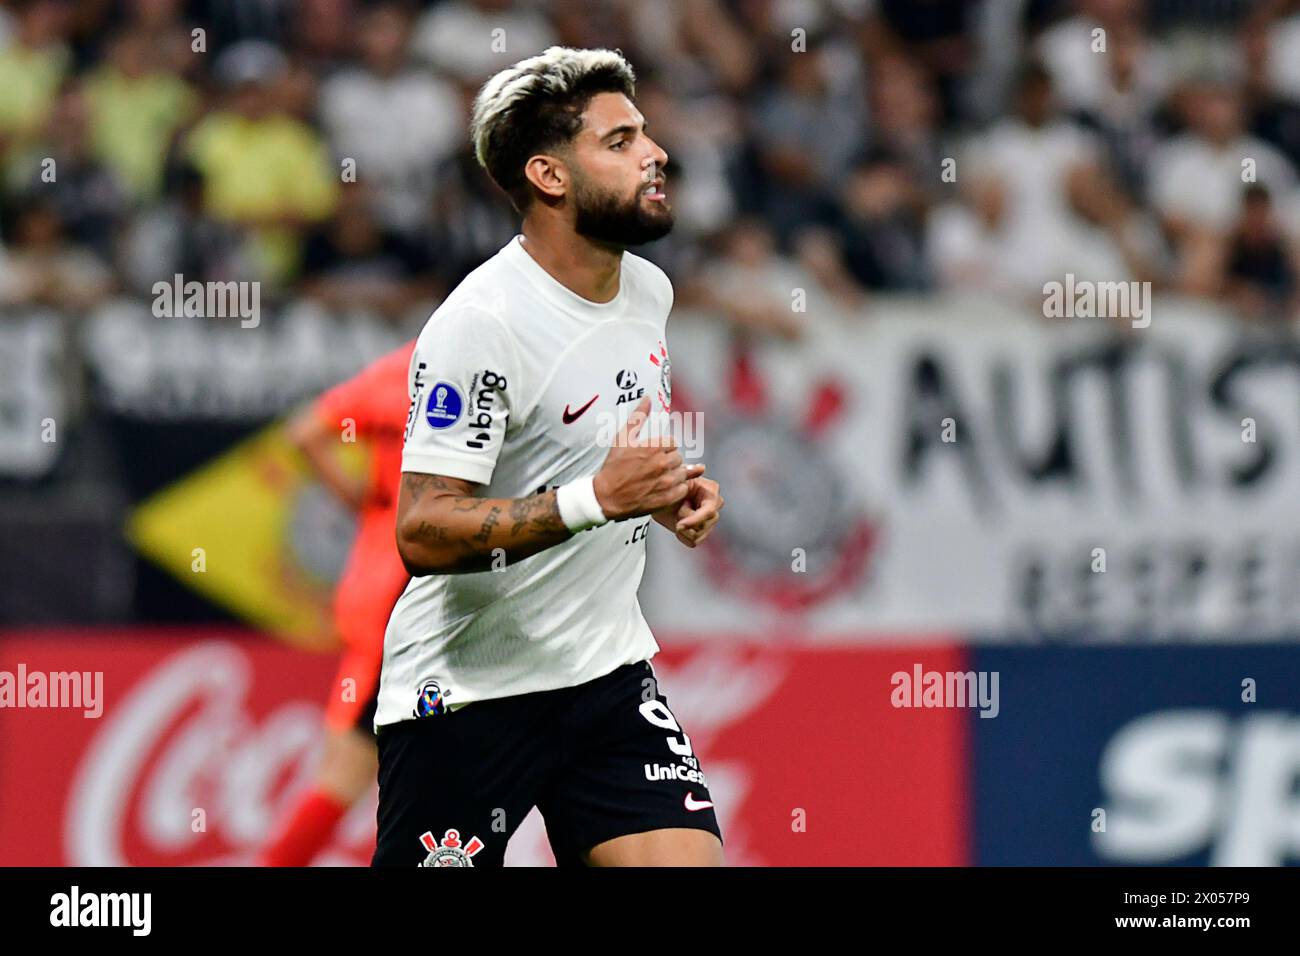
x=182 y=747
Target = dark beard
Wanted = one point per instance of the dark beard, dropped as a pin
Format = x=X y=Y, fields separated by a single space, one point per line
x=606 y=218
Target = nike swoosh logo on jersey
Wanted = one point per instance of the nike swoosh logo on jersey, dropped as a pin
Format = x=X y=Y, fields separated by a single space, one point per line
x=693 y=804
x=571 y=417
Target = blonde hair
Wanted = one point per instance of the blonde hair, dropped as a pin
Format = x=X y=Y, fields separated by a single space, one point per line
x=536 y=105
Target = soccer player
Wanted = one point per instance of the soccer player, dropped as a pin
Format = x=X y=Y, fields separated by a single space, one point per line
x=370 y=407
x=516 y=666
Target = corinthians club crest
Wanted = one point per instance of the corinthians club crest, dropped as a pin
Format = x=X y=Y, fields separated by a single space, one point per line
x=449 y=852
x=812 y=505
x=665 y=376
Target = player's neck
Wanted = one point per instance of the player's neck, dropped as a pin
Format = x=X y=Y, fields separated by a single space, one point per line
x=584 y=267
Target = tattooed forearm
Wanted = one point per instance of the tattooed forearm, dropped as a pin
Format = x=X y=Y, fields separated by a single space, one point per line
x=539 y=513
x=485 y=532
x=445 y=528
x=417 y=484
x=431 y=532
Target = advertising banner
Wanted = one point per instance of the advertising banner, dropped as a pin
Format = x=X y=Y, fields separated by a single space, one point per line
x=1139 y=756
x=931 y=466
x=184 y=748
x=945 y=468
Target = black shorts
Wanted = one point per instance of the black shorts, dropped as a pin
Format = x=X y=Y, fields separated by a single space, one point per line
x=600 y=760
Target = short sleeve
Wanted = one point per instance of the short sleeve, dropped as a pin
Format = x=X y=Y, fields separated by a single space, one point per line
x=463 y=382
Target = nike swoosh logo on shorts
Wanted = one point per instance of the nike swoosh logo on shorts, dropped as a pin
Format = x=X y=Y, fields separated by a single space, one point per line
x=693 y=804
x=571 y=417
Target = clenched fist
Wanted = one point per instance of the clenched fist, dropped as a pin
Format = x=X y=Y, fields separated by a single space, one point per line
x=640 y=476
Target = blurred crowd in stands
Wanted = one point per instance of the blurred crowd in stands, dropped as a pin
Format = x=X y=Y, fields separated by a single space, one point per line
x=844 y=147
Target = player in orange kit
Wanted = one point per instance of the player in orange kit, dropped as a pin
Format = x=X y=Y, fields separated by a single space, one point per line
x=374 y=404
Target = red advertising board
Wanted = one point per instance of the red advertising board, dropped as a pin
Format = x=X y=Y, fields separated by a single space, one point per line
x=205 y=734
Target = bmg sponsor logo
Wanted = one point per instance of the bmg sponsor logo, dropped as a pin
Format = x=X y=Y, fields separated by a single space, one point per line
x=482 y=392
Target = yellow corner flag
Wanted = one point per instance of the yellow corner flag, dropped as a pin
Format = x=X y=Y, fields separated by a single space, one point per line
x=253 y=531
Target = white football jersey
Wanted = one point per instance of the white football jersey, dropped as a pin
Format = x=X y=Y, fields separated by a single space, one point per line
x=517 y=383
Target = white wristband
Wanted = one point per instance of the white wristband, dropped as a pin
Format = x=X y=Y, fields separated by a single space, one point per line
x=579 y=509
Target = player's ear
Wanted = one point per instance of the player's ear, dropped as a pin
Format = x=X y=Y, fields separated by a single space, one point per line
x=548 y=174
